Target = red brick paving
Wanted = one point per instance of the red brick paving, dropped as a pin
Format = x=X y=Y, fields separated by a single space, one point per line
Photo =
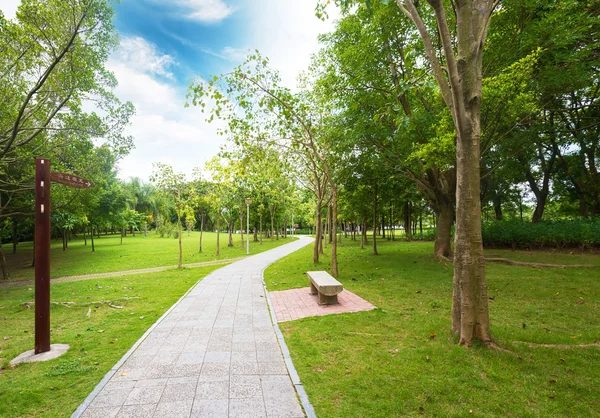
x=298 y=303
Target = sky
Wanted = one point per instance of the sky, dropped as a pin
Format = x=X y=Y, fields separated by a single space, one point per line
x=164 y=44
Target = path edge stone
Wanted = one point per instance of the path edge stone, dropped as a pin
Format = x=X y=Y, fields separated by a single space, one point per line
x=306 y=405
x=88 y=400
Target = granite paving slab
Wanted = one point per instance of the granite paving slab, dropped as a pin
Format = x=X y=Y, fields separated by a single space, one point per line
x=215 y=353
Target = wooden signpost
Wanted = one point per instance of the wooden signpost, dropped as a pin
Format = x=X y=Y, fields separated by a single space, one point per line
x=43 y=176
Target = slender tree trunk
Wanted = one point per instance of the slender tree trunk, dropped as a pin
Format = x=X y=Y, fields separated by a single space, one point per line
x=179 y=233
x=261 y=229
x=230 y=231
x=407 y=221
x=33 y=248
x=84 y=236
x=383 y=226
x=497 y=200
x=363 y=237
x=15 y=237
x=201 y=231
x=255 y=232
x=242 y=228
x=317 y=244
x=334 y=264
x=375 y=223
x=329 y=224
x=64 y=239
x=92 y=238
x=218 y=245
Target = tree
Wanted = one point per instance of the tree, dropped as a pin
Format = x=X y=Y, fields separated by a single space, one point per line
x=174 y=186
x=460 y=84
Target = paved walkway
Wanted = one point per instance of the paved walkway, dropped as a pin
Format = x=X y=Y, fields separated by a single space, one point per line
x=214 y=354
x=299 y=303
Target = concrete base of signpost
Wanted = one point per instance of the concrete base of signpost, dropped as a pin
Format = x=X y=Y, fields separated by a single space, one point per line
x=56 y=350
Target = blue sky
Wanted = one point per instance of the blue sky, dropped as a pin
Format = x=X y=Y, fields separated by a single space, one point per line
x=166 y=43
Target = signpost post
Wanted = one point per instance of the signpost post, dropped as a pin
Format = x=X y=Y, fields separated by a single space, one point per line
x=43 y=176
x=42 y=255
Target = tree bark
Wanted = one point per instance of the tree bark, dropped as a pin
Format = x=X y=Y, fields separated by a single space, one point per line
x=3 y=264
x=261 y=229
x=318 y=232
x=375 y=223
x=334 y=263
x=201 y=231
x=179 y=232
x=218 y=231
x=15 y=237
x=92 y=238
x=461 y=89
x=443 y=232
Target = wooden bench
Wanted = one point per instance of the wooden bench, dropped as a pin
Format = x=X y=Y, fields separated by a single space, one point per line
x=323 y=284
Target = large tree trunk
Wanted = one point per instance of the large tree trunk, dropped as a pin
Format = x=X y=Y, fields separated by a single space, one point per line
x=540 y=206
x=460 y=82
x=334 y=264
x=3 y=264
x=470 y=302
x=443 y=232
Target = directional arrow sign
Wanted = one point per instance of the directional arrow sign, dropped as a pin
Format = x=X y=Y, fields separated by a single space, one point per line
x=70 y=180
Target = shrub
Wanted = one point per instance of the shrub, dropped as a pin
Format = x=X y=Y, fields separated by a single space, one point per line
x=582 y=233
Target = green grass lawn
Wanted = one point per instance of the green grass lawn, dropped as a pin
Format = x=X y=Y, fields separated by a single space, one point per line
x=57 y=387
x=401 y=359
x=135 y=252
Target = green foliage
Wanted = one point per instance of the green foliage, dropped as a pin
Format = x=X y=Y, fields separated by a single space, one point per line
x=581 y=233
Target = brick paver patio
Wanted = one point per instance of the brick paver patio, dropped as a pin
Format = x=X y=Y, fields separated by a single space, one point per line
x=215 y=354
x=299 y=303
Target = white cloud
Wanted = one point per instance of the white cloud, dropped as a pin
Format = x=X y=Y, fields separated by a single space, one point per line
x=286 y=31
x=204 y=11
x=143 y=56
x=163 y=129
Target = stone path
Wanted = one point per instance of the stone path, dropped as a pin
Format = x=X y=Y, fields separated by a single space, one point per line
x=17 y=283
x=214 y=354
x=299 y=303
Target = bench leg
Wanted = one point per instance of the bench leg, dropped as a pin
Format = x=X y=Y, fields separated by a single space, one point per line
x=327 y=300
x=313 y=289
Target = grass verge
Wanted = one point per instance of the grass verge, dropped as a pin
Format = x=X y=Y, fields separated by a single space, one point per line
x=134 y=253
x=57 y=387
x=401 y=359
